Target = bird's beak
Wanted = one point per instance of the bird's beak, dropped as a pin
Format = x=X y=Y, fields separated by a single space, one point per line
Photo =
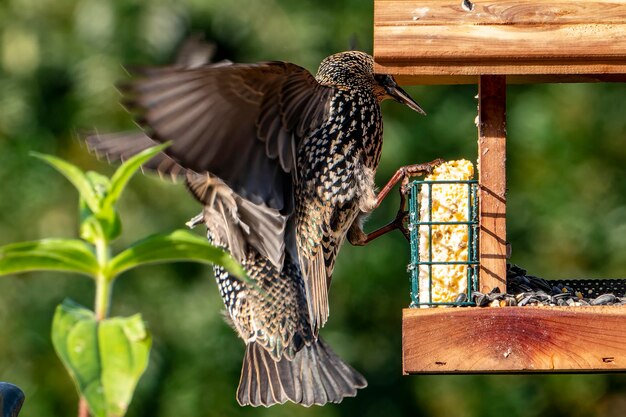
x=402 y=97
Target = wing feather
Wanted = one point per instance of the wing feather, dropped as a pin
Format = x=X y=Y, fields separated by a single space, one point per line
x=219 y=116
x=242 y=124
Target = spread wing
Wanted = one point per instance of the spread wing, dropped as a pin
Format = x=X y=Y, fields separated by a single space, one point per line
x=241 y=122
x=122 y=145
x=243 y=221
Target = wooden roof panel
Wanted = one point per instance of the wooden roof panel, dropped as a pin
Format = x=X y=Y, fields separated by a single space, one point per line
x=419 y=39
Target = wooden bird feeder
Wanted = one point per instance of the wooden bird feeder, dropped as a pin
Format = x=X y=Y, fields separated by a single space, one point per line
x=491 y=43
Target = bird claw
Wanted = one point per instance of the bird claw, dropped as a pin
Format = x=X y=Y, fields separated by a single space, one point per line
x=409 y=171
x=357 y=237
x=417 y=170
x=402 y=219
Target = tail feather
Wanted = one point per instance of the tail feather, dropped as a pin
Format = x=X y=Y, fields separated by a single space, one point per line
x=315 y=376
x=261 y=382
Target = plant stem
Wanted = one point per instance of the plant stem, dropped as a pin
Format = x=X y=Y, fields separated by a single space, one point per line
x=103 y=283
x=103 y=296
x=83 y=408
x=104 y=286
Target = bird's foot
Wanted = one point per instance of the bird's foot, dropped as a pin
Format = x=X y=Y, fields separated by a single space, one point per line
x=417 y=170
x=401 y=222
x=357 y=237
x=402 y=218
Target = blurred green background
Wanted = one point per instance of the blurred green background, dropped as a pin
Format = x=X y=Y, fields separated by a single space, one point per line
x=59 y=60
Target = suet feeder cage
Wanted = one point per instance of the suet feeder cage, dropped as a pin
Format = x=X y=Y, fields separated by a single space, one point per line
x=430 y=222
x=493 y=43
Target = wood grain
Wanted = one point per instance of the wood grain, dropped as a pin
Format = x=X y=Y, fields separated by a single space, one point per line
x=498 y=12
x=476 y=43
x=514 y=339
x=416 y=38
x=492 y=182
x=404 y=76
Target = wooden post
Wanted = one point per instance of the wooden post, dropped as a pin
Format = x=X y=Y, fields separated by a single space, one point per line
x=492 y=180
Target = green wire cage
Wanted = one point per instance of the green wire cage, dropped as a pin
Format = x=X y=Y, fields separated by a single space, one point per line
x=422 y=229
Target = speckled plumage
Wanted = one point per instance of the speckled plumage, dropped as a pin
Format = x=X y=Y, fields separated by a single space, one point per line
x=335 y=175
x=273 y=319
x=284 y=164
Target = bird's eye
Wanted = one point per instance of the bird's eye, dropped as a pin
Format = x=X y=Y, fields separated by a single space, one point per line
x=383 y=79
x=380 y=78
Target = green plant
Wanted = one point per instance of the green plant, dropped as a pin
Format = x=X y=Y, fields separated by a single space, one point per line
x=105 y=356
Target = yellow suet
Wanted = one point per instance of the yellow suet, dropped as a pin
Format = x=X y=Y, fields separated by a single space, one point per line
x=449 y=242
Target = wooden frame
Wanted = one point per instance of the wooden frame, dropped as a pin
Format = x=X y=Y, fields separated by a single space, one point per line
x=492 y=181
x=513 y=339
x=500 y=42
x=438 y=42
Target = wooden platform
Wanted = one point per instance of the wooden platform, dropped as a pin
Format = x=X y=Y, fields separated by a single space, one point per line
x=439 y=42
x=495 y=43
x=514 y=340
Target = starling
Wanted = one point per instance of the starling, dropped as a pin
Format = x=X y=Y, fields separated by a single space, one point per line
x=283 y=163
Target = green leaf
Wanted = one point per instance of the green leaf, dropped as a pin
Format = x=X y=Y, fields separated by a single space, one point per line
x=105 y=225
x=124 y=173
x=90 y=228
x=111 y=223
x=179 y=245
x=77 y=177
x=68 y=255
x=105 y=358
x=100 y=184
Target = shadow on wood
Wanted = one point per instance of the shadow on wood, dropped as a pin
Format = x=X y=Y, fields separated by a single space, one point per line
x=514 y=339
